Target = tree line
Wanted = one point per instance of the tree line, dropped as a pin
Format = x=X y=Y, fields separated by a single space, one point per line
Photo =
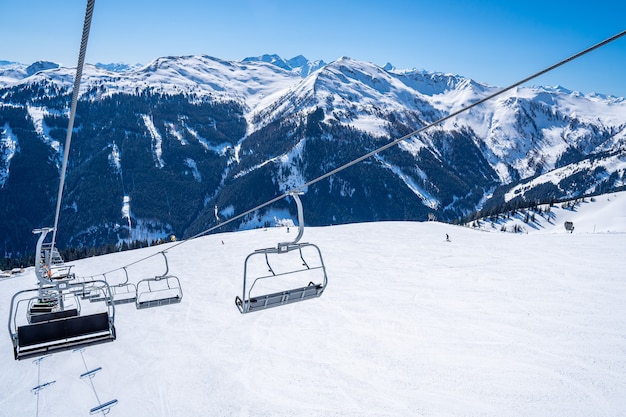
x=73 y=254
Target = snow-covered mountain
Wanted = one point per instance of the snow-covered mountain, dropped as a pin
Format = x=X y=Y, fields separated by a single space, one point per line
x=298 y=64
x=167 y=142
x=486 y=324
x=117 y=66
x=13 y=72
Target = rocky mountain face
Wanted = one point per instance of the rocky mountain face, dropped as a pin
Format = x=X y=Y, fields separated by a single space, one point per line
x=156 y=149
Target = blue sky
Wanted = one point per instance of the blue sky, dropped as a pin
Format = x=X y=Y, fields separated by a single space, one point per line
x=492 y=41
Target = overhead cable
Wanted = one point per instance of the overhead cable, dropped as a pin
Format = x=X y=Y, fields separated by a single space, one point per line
x=70 y=125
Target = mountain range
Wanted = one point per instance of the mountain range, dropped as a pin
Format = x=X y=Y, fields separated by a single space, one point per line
x=178 y=145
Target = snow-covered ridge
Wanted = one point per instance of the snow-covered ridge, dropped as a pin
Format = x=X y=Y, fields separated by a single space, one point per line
x=525 y=130
x=12 y=72
x=299 y=64
x=250 y=81
x=255 y=79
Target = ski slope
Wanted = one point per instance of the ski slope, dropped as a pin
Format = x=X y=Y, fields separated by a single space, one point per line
x=488 y=324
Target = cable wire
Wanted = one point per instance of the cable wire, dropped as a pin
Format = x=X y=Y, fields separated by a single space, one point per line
x=70 y=125
x=390 y=144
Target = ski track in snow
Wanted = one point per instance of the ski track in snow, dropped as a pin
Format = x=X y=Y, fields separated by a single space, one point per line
x=489 y=324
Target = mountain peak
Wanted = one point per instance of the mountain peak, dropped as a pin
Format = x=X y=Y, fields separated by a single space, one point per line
x=4 y=63
x=298 y=64
x=270 y=59
x=35 y=67
x=116 y=66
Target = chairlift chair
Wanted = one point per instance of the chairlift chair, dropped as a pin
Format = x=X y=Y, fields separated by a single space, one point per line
x=94 y=292
x=279 y=265
x=39 y=326
x=50 y=318
x=124 y=292
x=159 y=291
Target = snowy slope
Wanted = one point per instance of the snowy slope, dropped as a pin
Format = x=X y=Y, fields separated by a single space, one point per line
x=527 y=129
x=249 y=82
x=601 y=214
x=14 y=72
x=489 y=324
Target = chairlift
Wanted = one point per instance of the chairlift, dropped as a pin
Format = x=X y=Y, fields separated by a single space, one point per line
x=83 y=291
x=95 y=293
x=159 y=291
x=39 y=325
x=124 y=292
x=277 y=264
x=50 y=318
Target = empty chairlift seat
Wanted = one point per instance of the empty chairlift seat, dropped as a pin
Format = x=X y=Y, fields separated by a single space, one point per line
x=124 y=292
x=294 y=265
x=159 y=291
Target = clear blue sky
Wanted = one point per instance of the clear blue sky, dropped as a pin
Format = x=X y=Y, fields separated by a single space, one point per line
x=494 y=41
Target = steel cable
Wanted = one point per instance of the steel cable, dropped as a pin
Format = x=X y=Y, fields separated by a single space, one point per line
x=70 y=125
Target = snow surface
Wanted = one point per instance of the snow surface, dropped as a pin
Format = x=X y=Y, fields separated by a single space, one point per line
x=9 y=145
x=37 y=114
x=488 y=324
x=157 y=141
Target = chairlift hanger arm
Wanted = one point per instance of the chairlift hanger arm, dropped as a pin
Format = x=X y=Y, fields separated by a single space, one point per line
x=296 y=197
x=167 y=265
